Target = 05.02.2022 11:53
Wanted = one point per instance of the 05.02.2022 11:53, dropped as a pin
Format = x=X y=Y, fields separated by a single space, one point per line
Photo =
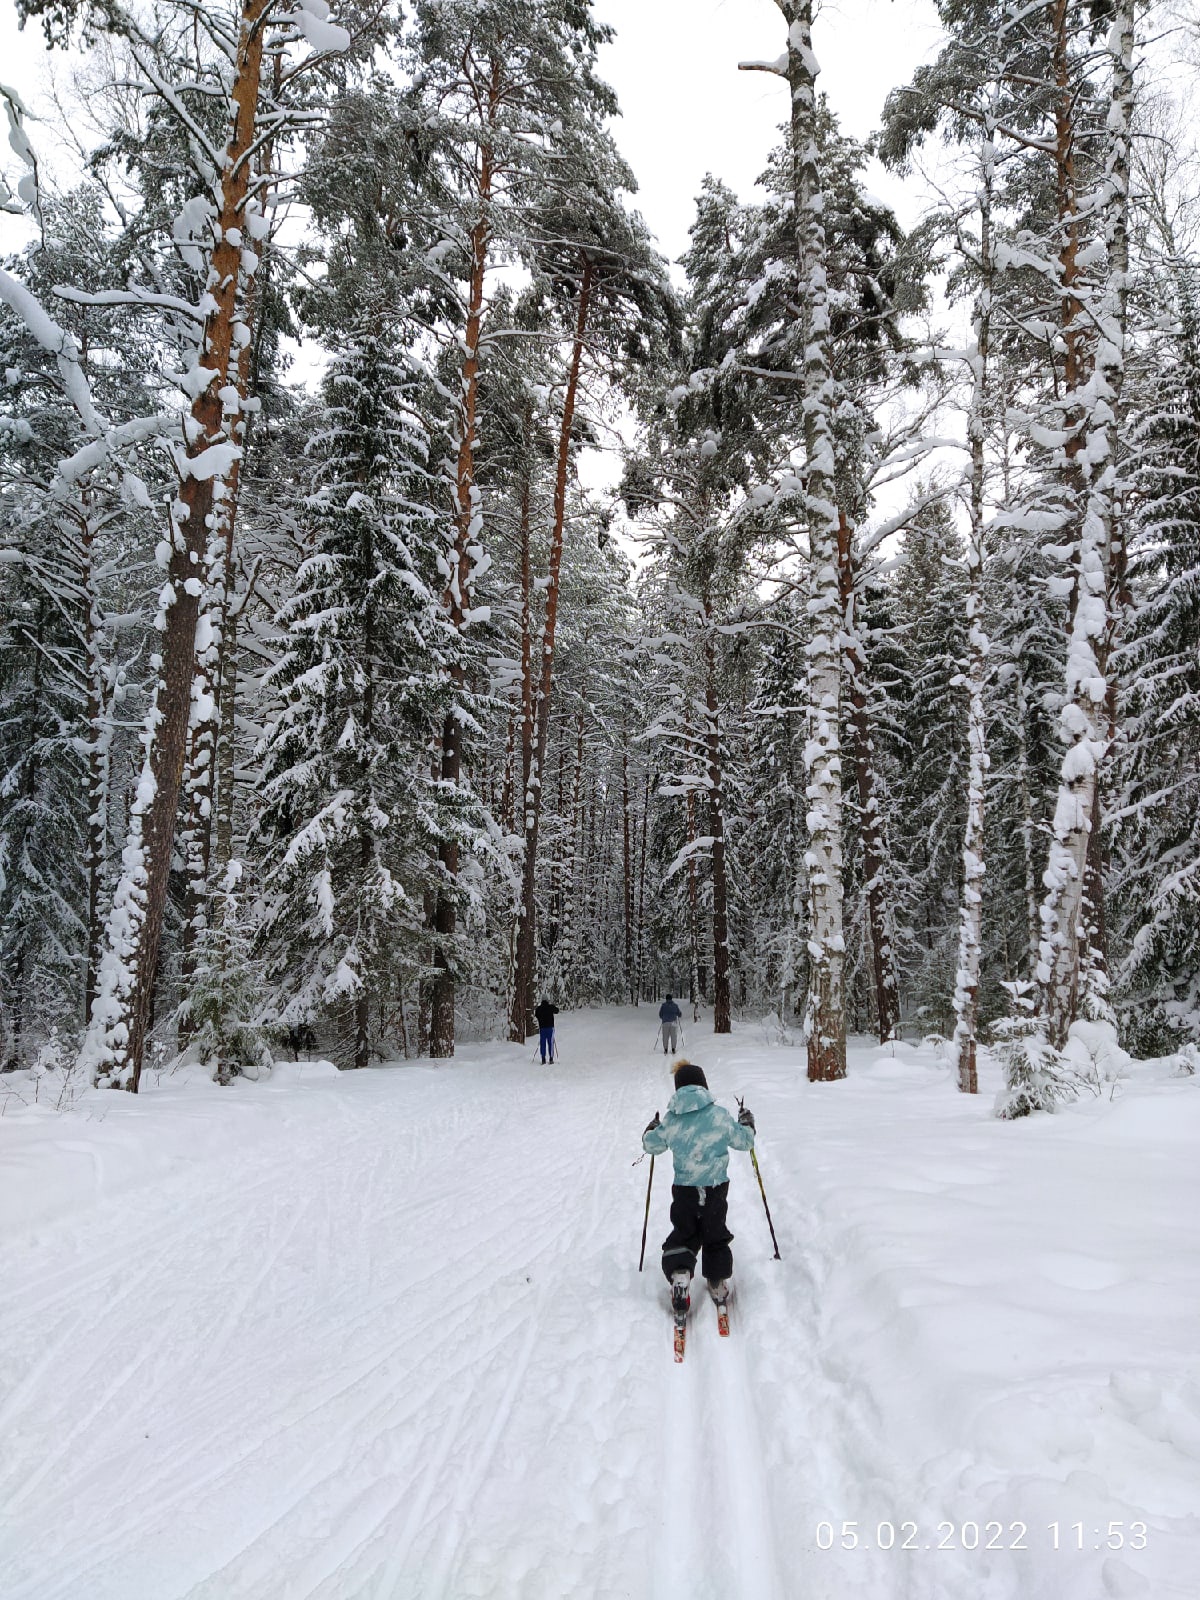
x=980 y=1536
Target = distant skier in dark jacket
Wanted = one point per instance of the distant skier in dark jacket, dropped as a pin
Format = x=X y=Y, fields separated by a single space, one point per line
x=699 y=1134
x=669 y=1015
x=544 y=1016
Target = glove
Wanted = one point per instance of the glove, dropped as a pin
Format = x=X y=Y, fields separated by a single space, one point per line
x=746 y=1118
x=653 y=1124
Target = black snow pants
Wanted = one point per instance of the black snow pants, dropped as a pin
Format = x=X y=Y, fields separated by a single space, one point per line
x=698 y=1223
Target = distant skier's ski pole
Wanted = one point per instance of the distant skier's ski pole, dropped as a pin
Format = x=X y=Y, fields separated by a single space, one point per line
x=766 y=1207
x=657 y=1037
x=646 y=1221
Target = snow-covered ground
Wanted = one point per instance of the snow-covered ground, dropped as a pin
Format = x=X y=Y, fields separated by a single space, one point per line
x=383 y=1335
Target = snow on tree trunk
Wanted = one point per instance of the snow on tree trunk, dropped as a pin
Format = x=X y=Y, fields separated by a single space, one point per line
x=1032 y=915
x=874 y=840
x=825 y=1020
x=100 y=732
x=1085 y=718
x=212 y=641
x=121 y=1014
x=1109 y=486
x=226 y=754
x=465 y=550
x=970 y=940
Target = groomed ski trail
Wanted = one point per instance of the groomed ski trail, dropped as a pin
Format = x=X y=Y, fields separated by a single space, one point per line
x=382 y=1336
x=370 y=1335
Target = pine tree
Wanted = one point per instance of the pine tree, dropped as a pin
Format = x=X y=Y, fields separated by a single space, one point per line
x=502 y=92
x=597 y=258
x=207 y=81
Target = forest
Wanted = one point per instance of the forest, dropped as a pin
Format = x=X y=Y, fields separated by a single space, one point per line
x=345 y=705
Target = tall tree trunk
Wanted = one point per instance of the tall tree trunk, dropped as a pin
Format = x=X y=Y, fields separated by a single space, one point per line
x=825 y=1017
x=716 y=827
x=970 y=940
x=520 y=1021
x=1092 y=456
x=1108 y=489
x=100 y=734
x=227 y=740
x=521 y=1009
x=874 y=839
x=457 y=603
x=121 y=1013
x=1027 y=827
x=204 y=722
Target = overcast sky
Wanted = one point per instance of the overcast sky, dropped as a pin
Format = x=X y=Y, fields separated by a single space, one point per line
x=687 y=110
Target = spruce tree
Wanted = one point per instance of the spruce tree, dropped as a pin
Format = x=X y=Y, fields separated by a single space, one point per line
x=341 y=794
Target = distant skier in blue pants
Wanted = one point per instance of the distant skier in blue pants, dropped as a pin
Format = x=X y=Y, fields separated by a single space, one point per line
x=669 y=1015
x=544 y=1016
x=699 y=1134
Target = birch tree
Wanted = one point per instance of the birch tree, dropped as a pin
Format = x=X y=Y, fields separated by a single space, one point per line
x=1088 y=714
x=825 y=1020
x=70 y=440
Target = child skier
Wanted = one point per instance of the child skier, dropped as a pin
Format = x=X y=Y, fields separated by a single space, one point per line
x=699 y=1134
x=669 y=1015
x=544 y=1017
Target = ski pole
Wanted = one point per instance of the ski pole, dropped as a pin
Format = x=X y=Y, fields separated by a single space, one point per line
x=646 y=1221
x=763 y=1192
x=766 y=1207
x=657 y=1036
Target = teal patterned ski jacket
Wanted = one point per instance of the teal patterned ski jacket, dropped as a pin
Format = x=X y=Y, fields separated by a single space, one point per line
x=699 y=1134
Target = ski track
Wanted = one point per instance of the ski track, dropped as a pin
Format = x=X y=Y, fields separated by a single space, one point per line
x=386 y=1339
x=402 y=1353
x=739 y=1450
